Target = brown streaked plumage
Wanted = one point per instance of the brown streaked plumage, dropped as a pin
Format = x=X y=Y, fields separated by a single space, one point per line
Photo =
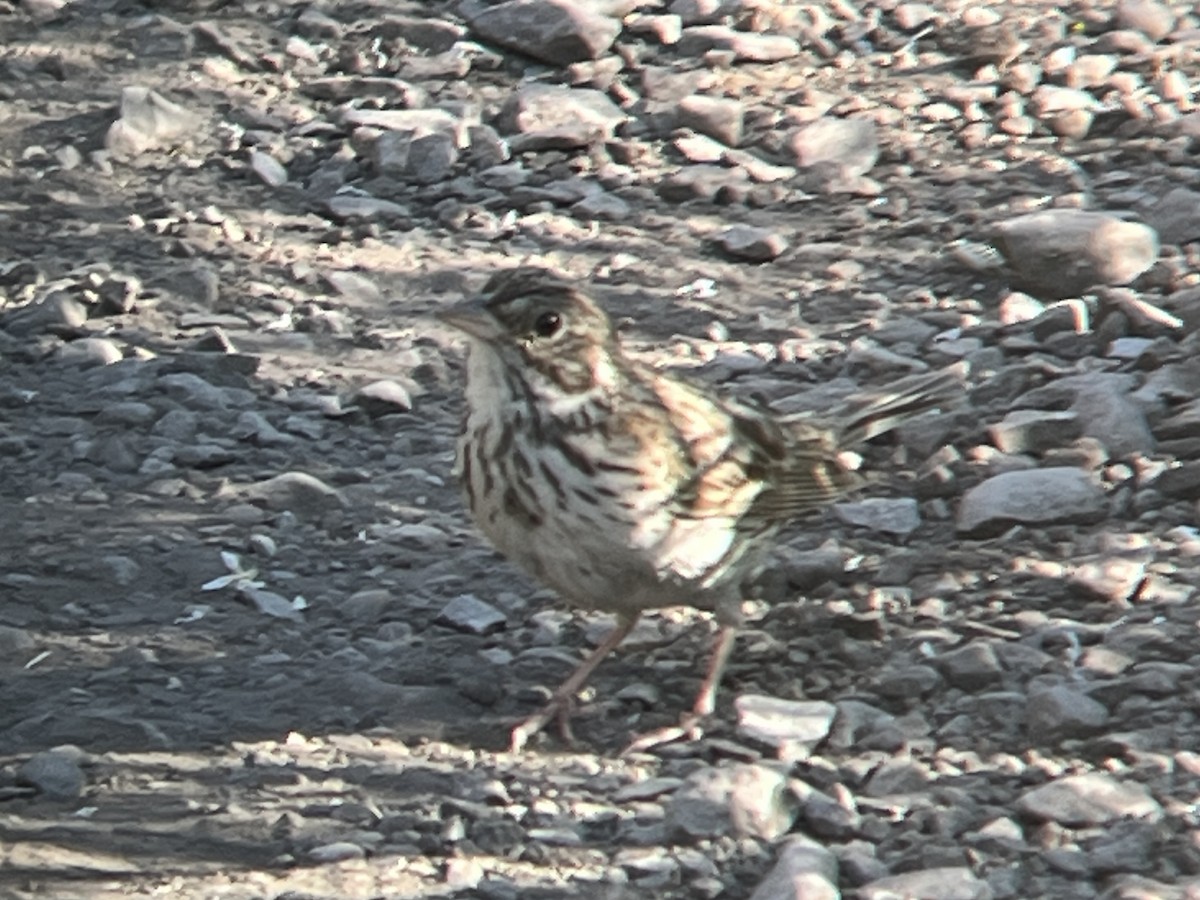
x=624 y=488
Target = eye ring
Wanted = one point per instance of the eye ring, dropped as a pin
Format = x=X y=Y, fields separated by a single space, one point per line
x=547 y=324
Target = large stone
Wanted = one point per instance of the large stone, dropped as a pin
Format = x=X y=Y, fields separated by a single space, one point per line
x=1093 y=798
x=847 y=147
x=718 y=117
x=1034 y=430
x=560 y=116
x=1109 y=414
x=743 y=800
x=744 y=45
x=1153 y=19
x=1054 y=496
x=804 y=870
x=948 y=883
x=554 y=31
x=148 y=120
x=1063 y=712
x=1058 y=253
x=781 y=723
x=1176 y=217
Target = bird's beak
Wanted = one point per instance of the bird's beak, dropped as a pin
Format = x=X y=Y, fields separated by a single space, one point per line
x=473 y=318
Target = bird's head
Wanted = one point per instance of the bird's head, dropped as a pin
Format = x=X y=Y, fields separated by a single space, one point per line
x=542 y=329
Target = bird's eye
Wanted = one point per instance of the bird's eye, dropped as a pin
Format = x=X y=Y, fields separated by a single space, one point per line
x=547 y=324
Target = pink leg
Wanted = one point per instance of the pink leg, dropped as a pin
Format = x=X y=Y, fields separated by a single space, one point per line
x=706 y=698
x=559 y=705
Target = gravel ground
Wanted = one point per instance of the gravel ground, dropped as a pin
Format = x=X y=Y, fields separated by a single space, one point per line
x=250 y=644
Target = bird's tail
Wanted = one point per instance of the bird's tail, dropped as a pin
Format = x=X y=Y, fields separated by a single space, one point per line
x=870 y=415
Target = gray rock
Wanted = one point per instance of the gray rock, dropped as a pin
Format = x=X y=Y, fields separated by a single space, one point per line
x=1035 y=430
x=354 y=287
x=1063 y=711
x=666 y=29
x=907 y=681
x=950 y=883
x=15 y=642
x=604 y=206
x=1110 y=415
x=971 y=667
x=381 y=398
x=897 y=776
x=1058 y=495
x=192 y=391
x=1051 y=99
x=254 y=428
x=434 y=35
x=1176 y=217
x=743 y=800
x=268 y=169
x=1153 y=19
x=845 y=147
x=705 y=183
x=127 y=412
x=412 y=122
x=784 y=723
x=812 y=568
x=90 y=351
x=56 y=314
x=1126 y=846
x=826 y=818
x=43 y=12
x=554 y=115
x=1060 y=253
x=858 y=723
x=1002 y=708
x=803 y=870
x=114 y=452
x=742 y=45
x=887 y=515
x=364 y=206
x=1092 y=798
x=338 y=851
x=1113 y=578
x=718 y=117
x=125 y=571
x=147 y=120
x=1000 y=835
x=468 y=613
x=649 y=789
x=314 y=23
x=55 y=773
x=754 y=244
x=700 y=12
x=431 y=157
x=463 y=874
x=554 y=31
x=1129 y=348
x=389 y=153
x=178 y=425
x=298 y=492
x=204 y=455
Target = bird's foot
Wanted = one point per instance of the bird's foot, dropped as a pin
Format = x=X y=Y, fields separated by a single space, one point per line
x=557 y=708
x=689 y=729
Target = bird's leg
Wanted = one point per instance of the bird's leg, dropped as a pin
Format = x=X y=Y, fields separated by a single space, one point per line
x=559 y=705
x=706 y=698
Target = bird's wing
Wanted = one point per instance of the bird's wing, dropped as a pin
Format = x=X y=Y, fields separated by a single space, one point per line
x=724 y=458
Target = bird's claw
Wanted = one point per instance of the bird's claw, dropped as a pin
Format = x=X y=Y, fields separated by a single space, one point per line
x=558 y=708
x=689 y=728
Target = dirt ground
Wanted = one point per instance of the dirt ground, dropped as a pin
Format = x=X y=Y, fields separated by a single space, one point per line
x=345 y=736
